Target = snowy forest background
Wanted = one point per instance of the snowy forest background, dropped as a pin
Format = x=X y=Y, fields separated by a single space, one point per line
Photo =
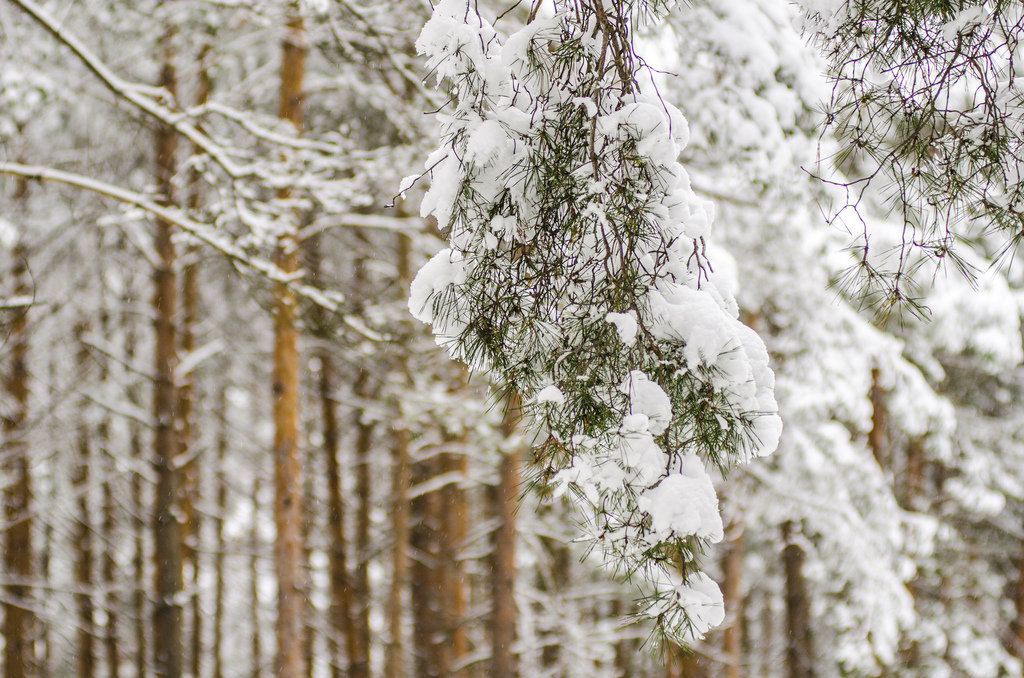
x=161 y=184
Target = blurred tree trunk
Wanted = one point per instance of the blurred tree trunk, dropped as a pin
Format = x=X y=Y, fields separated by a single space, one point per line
x=913 y=482
x=623 y=647
x=256 y=641
x=82 y=537
x=339 y=613
x=453 y=525
x=108 y=469
x=18 y=624
x=394 y=658
x=799 y=644
x=44 y=572
x=360 y=659
x=288 y=548
x=878 y=439
x=221 y=492
x=504 y=500
x=138 y=507
x=309 y=622
x=428 y=620
x=167 y=615
x=680 y=663
x=186 y=399
x=732 y=592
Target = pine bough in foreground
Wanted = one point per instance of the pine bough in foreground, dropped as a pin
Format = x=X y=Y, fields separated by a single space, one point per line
x=577 y=274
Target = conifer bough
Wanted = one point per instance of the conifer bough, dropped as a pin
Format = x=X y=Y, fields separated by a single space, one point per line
x=927 y=100
x=578 y=274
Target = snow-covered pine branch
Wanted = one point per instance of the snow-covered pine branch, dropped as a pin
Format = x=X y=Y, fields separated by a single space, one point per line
x=577 y=273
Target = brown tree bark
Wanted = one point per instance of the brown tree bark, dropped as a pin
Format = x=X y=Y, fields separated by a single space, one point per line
x=109 y=573
x=1017 y=625
x=218 y=534
x=256 y=641
x=82 y=536
x=878 y=439
x=453 y=525
x=167 y=612
x=108 y=527
x=799 y=640
x=46 y=661
x=341 y=593
x=139 y=508
x=732 y=592
x=191 y=529
x=288 y=549
x=505 y=498
x=623 y=647
x=360 y=660
x=18 y=621
x=913 y=483
x=681 y=663
x=394 y=657
x=426 y=578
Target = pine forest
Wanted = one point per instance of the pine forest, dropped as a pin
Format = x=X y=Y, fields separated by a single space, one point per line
x=511 y=338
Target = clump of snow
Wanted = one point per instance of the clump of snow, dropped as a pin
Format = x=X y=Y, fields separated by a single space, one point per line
x=684 y=504
x=625 y=326
x=649 y=399
x=551 y=394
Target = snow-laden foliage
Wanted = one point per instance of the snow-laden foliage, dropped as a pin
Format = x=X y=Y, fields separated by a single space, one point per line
x=927 y=101
x=577 y=272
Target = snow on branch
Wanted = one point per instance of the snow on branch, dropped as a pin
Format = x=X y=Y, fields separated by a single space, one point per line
x=577 y=273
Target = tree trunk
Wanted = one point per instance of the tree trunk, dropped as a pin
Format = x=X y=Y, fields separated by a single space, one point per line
x=218 y=534
x=453 y=515
x=878 y=439
x=681 y=663
x=913 y=485
x=108 y=567
x=44 y=572
x=360 y=661
x=19 y=655
x=505 y=500
x=428 y=623
x=167 y=614
x=186 y=401
x=256 y=642
x=82 y=539
x=138 y=508
x=394 y=658
x=288 y=549
x=799 y=646
x=340 y=611
x=732 y=592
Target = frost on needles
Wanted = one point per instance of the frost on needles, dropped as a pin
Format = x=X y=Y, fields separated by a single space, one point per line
x=577 y=274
